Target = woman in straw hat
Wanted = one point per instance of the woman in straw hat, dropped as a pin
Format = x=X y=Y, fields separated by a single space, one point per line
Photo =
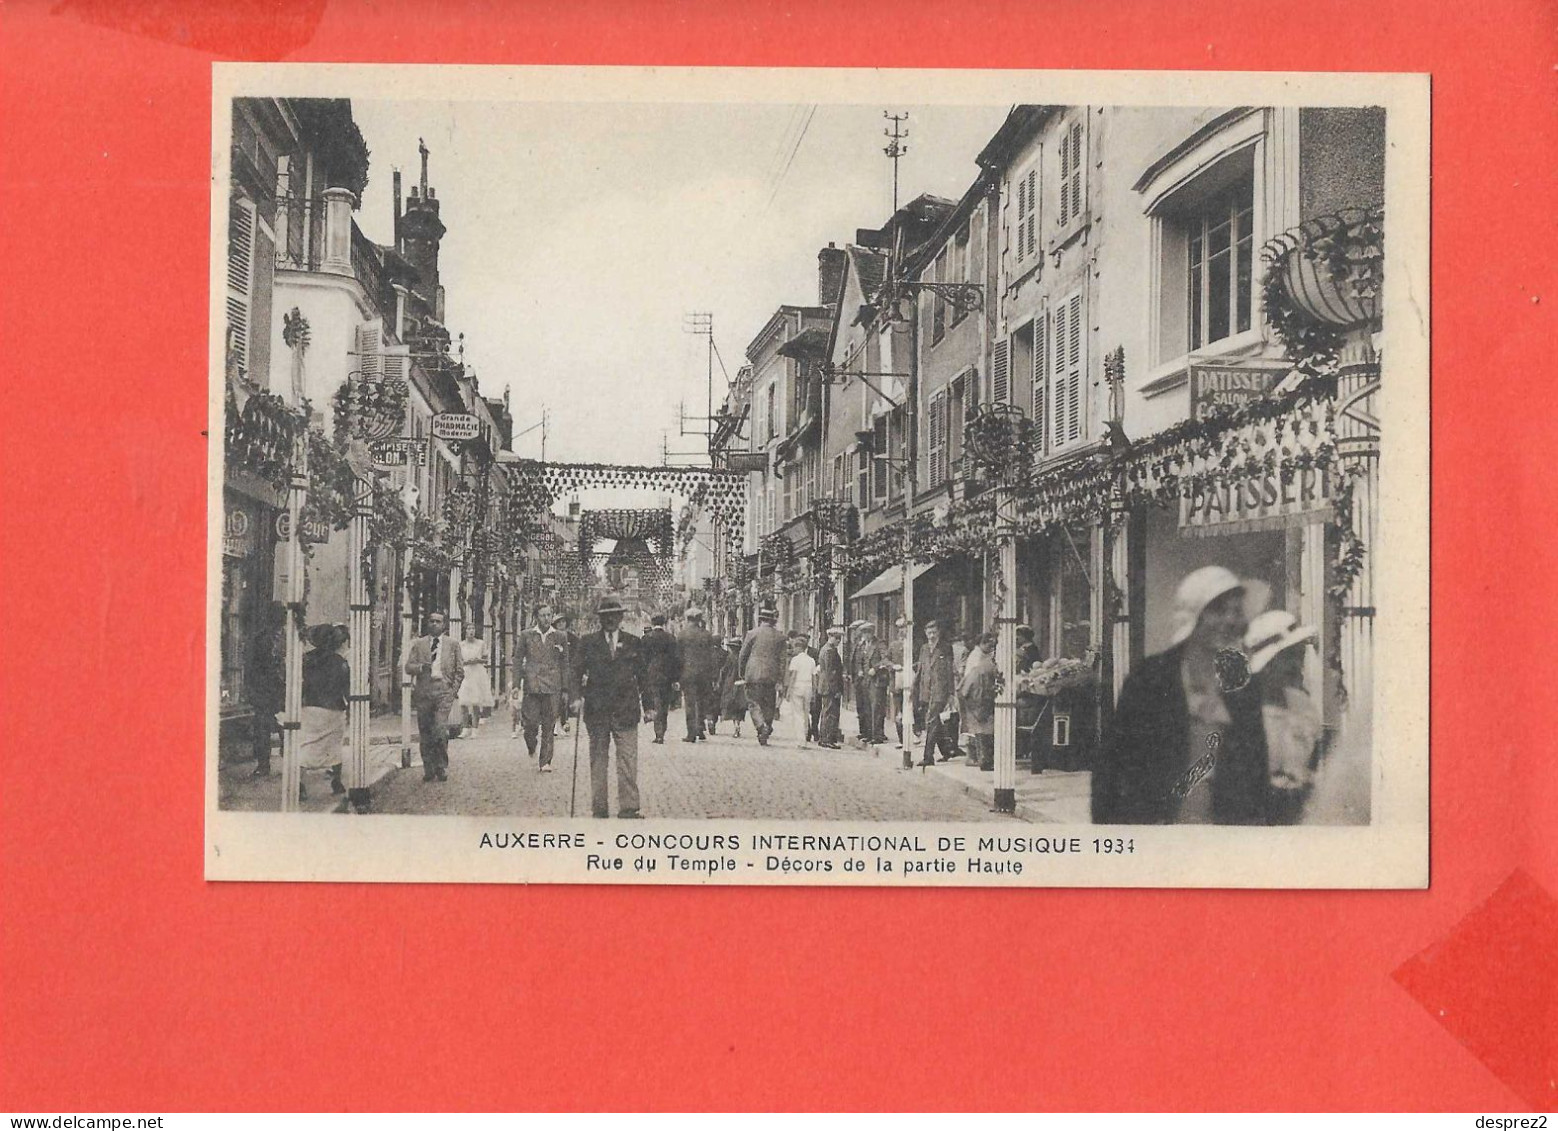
x=1276 y=644
x=1182 y=748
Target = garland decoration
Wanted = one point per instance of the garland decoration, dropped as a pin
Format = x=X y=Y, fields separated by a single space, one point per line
x=261 y=435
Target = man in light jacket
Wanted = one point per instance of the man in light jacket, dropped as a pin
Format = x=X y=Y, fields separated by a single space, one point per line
x=539 y=676
x=433 y=663
x=762 y=664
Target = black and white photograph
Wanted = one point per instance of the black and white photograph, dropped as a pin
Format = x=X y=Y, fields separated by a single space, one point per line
x=826 y=477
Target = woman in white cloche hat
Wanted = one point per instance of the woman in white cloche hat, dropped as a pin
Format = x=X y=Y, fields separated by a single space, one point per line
x=1181 y=747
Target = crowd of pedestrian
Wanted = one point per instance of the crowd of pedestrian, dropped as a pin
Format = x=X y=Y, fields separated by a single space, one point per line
x=1218 y=728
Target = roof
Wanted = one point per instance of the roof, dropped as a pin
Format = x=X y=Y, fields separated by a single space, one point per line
x=1021 y=124
x=811 y=344
x=870 y=268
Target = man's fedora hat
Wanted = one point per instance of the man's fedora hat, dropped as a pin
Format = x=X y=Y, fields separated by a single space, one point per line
x=609 y=604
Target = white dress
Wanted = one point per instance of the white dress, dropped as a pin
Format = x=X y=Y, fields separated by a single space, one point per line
x=476 y=688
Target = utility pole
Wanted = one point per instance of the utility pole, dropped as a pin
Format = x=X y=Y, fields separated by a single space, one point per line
x=895 y=147
x=702 y=324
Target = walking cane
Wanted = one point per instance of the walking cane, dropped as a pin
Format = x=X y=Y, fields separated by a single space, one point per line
x=573 y=777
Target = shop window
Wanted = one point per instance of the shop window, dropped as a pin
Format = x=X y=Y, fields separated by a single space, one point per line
x=1071 y=605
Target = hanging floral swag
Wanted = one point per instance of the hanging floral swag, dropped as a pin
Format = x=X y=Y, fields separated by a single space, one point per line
x=259 y=438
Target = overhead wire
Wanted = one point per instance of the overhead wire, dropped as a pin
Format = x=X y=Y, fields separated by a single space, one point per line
x=811 y=112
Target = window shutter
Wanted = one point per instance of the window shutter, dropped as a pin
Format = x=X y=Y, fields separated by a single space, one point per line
x=370 y=350
x=938 y=437
x=1065 y=181
x=240 y=281
x=1076 y=168
x=1000 y=373
x=1071 y=387
x=1039 y=324
x=1033 y=209
x=1022 y=218
x=971 y=395
x=396 y=362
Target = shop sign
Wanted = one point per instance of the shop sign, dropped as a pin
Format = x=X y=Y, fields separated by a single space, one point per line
x=239 y=531
x=315 y=530
x=1262 y=502
x=398 y=453
x=456 y=426
x=746 y=461
x=1220 y=388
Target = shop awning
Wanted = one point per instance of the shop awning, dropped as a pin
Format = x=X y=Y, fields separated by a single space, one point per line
x=890 y=580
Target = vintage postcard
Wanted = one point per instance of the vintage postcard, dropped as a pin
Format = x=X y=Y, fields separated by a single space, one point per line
x=642 y=475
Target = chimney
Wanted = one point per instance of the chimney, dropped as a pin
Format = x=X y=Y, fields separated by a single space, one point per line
x=830 y=275
x=395 y=231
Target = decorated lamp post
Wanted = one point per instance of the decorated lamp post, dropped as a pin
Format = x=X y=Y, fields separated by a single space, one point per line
x=370 y=407
x=998 y=441
x=294 y=334
x=1323 y=287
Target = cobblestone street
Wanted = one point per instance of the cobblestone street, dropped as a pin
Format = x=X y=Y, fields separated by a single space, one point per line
x=491 y=775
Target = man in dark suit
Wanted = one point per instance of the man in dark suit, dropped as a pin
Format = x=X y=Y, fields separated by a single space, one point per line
x=830 y=690
x=662 y=668
x=702 y=658
x=763 y=663
x=871 y=675
x=933 y=687
x=606 y=683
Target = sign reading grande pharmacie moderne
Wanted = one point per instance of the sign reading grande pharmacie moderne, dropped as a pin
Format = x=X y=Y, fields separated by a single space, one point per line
x=1262 y=502
x=456 y=426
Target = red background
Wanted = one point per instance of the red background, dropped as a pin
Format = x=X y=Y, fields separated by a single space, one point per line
x=129 y=983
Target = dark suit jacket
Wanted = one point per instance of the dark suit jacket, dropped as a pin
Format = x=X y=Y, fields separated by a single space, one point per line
x=830 y=672
x=702 y=655
x=1146 y=752
x=933 y=679
x=662 y=659
x=612 y=686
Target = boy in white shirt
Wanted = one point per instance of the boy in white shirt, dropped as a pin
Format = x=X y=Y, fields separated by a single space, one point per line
x=800 y=681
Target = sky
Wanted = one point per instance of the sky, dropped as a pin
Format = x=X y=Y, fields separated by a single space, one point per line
x=580 y=234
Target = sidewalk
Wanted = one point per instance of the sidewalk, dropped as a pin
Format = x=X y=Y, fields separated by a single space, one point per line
x=1052 y=797
x=238 y=789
